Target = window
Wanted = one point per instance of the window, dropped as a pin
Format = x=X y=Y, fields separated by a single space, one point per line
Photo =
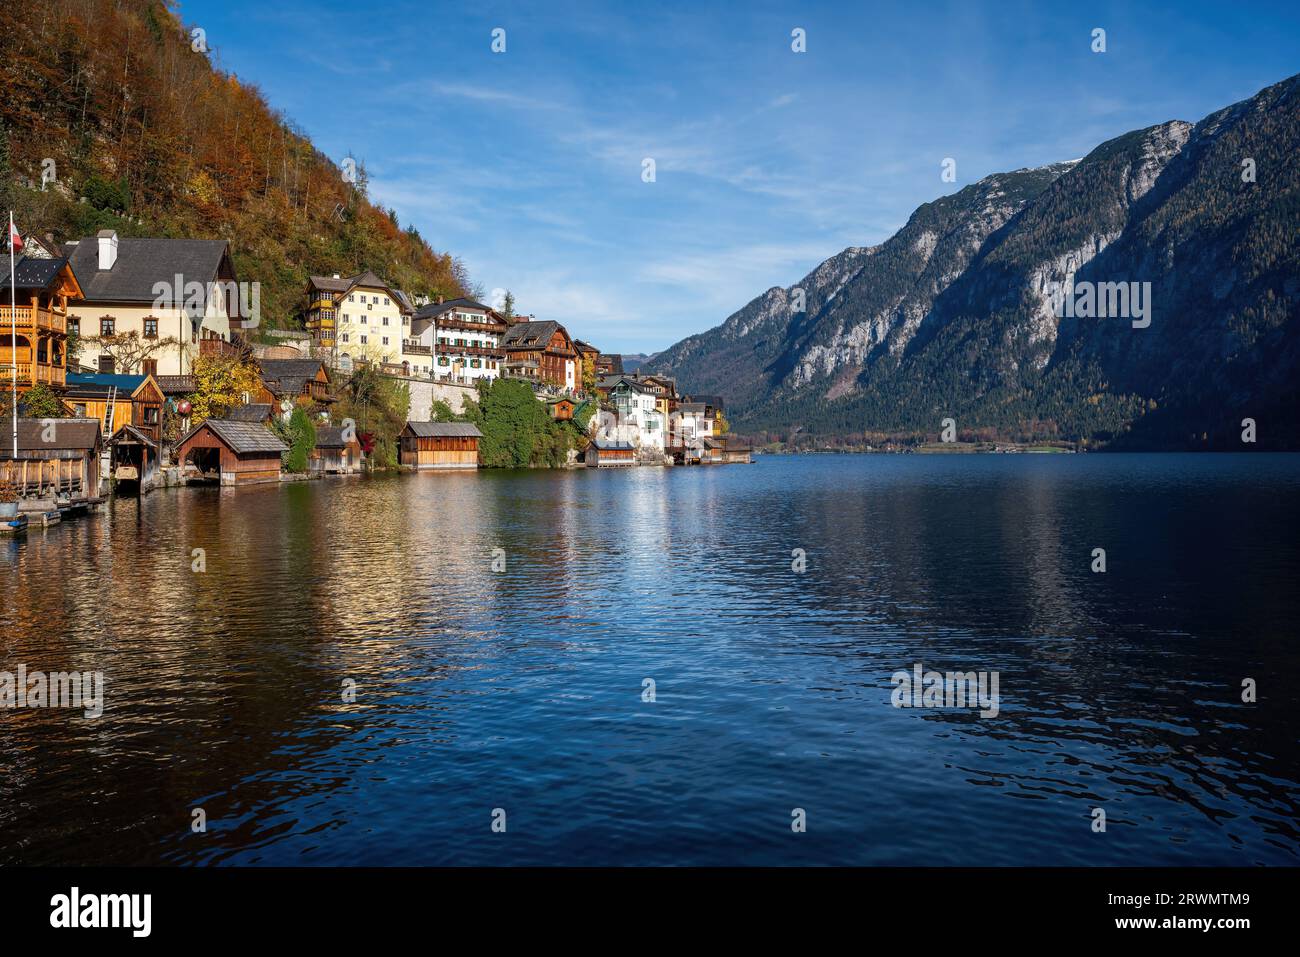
x=352 y=297
x=475 y=363
x=74 y=326
x=151 y=415
x=385 y=320
x=80 y=409
x=107 y=325
x=148 y=366
x=345 y=337
x=385 y=340
x=363 y=340
x=364 y=321
x=106 y=364
x=150 y=328
x=443 y=360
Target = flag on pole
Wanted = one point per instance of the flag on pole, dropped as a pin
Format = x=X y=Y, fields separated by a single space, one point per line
x=15 y=237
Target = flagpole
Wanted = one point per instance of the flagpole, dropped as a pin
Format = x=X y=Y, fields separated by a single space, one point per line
x=13 y=330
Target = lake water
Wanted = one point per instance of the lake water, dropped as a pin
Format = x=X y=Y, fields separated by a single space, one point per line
x=522 y=689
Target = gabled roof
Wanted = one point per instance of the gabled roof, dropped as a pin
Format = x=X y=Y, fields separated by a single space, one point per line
x=427 y=430
x=331 y=437
x=691 y=408
x=78 y=435
x=35 y=274
x=288 y=376
x=434 y=309
x=341 y=287
x=533 y=335
x=129 y=433
x=141 y=263
x=253 y=412
x=581 y=346
x=240 y=437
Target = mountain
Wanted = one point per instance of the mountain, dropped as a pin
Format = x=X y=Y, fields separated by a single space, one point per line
x=955 y=316
x=142 y=134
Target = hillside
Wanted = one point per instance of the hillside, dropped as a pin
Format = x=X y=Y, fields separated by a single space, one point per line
x=157 y=142
x=951 y=316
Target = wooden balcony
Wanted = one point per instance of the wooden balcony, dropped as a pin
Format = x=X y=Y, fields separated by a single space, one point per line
x=33 y=320
x=51 y=375
x=490 y=352
x=493 y=327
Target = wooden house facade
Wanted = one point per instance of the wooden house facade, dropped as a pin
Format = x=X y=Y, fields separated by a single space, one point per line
x=229 y=452
x=117 y=400
x=36 y=331
x=335 y=453
x=439 y=445
x=543 y=352
x=606 y=453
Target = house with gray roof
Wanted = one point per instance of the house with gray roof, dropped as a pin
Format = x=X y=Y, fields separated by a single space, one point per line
x=146 y=303
x=229 y=452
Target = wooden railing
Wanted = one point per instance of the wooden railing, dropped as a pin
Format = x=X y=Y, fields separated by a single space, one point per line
x=50 y=375
x=44 y=319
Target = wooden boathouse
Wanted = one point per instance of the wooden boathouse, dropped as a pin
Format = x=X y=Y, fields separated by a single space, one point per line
x=232 y=453
x=57 y=463
x=335 y=453
x=606 y=453
x=440 y=445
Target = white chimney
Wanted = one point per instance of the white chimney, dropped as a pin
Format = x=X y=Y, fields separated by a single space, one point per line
x=107 y=248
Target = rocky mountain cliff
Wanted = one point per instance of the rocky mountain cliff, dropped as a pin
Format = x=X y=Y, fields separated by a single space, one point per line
x=960 y=313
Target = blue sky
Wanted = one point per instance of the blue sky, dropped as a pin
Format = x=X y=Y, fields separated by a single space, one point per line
x=527 y=164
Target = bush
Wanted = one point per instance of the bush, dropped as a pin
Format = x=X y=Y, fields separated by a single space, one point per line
x=300 y=435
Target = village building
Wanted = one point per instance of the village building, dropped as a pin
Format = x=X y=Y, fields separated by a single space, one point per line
x=158 y=299
x=337 y=451
x=35 y=336
x=636 y=406
x=726 y=450
x=457 y=341
x=561 y=409
x=229 y=452
x=358 y=318
x=609 y=364
x=57 y=462
x=606 y=452
x=117 y=400
x=439 y=445
x=134 y=458
x=293 y=381
x=542 y=352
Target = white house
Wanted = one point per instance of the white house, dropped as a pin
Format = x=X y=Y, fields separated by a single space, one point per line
x=459 y=340
x=639 y=419
x=160 y=289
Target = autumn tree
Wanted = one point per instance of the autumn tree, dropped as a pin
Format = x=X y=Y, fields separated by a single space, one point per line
x=221 y=384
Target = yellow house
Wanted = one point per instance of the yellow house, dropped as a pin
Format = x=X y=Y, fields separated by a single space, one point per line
x=358 y=317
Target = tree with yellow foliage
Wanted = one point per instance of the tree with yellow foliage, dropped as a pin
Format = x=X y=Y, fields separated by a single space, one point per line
x=221 y=383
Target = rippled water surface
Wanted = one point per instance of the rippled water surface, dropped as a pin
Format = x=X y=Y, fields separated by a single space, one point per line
x=522 y=689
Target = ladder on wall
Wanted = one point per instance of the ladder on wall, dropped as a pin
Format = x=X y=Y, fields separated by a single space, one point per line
x=110 y=412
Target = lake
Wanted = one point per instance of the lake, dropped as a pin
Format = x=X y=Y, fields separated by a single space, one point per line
x=374 y=670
